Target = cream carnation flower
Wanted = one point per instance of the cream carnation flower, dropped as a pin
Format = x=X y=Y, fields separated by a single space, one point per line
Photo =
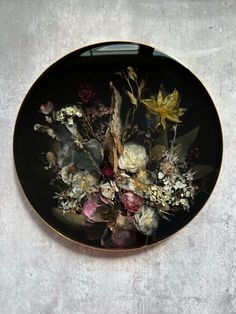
x=133 y=158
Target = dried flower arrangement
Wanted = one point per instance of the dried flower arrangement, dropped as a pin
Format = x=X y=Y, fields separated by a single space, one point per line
x=110 y=170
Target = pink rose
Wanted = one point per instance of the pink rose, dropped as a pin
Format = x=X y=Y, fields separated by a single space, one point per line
x=46 y=108
x=89 y=208
x=92 y=204
x=132 y=202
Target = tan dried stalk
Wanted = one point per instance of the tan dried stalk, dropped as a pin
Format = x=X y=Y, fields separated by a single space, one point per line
x=112 y=140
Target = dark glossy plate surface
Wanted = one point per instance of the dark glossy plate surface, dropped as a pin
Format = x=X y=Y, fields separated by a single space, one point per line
x=97 y=64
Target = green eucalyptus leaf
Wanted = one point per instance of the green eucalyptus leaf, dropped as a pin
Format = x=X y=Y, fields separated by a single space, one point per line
x=163 y=139
x=88 y=157
x=118 y=73
x=157 y=152
x=201 y=171
x=185 y=142
x=71 y=219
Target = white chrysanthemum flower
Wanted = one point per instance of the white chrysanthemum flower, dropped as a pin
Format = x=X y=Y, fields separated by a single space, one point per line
x=133 y=158
x=81 y=182
x=146 y=220
x=66 y=175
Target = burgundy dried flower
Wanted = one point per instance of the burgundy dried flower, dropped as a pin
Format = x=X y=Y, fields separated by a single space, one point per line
x=108 y=171
x=46 y=108
x=86 y=93
x=132 y=202
x=123 y=238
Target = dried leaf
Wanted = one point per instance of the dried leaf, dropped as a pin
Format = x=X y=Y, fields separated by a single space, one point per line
x=163 y=139
x=48 y=119
x=104 y=214
x=118 y=73
x=45 y=129
x=132 y=74
x=73 y=130
x=115 y=122
x=85 y=159
x=56 y=147
x=115 y=159
x=141 y=87
x=201 y=171
x=95 y=149
x=107 y=145
x=157 y=152
x=133 y=100
x=72 y=219
x=184 y=142
x=62 y=133
x=106 y=238
x=52 y=160
x=64 y=155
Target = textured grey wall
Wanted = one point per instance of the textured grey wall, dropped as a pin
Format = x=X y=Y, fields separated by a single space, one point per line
x=194 y=271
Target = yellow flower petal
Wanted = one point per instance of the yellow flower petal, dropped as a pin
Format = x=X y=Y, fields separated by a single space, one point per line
x=171 y=100
x=160 y=97
x=173 y=118
x=151 y=105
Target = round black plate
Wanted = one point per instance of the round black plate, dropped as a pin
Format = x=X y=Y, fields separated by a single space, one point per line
x=97 y=64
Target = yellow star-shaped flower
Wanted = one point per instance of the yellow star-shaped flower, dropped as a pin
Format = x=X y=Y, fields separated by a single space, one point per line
x=165 y=106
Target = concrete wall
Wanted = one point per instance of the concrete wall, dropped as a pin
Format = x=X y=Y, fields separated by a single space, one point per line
x=194 y=271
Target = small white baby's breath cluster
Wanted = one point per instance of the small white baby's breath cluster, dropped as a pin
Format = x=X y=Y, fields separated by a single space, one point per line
x=170 y=156
x=66 y=203
x=67 y=114
x=177 y=185
x=178 y=189
x=155 y=195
